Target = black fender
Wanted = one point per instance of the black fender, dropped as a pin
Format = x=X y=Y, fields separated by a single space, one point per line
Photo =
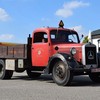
x=66 y=58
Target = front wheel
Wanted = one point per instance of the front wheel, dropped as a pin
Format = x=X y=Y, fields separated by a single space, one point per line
x=5 y=74
x=61 y=74
x=95 y=77
x=32 y=74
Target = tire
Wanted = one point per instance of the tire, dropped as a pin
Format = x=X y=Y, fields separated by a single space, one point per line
x=95 y=77
x=32 y=74
x=61 y=74
x=5 y=74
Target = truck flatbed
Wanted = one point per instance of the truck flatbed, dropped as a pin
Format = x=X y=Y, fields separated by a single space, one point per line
x=13 y=51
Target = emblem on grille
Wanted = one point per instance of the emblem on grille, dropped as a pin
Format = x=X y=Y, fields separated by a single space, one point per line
x=90 y=55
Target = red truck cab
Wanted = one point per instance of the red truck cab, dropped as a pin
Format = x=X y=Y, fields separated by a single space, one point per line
x=48 y=41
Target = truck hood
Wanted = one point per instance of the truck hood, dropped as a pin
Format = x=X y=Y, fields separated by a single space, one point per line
x=65 y=48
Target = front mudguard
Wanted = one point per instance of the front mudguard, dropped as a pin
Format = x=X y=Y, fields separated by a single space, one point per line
x=66 y=58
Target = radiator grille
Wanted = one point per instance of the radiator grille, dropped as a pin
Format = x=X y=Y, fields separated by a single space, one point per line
x=90 y=55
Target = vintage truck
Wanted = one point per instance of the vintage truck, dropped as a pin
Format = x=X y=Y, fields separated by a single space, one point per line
x=50 y=50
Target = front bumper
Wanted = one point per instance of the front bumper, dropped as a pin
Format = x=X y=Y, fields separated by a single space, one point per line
x=84 y=71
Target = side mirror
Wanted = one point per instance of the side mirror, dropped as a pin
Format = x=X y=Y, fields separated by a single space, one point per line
x=81 y=37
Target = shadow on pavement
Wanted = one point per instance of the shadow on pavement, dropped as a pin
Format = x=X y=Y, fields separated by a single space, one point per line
x=83 y=81
x=76 y=82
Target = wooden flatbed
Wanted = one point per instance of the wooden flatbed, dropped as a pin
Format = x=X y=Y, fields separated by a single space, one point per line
x=13 y=51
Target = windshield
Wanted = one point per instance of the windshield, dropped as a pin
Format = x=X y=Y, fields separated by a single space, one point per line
x=64 y=36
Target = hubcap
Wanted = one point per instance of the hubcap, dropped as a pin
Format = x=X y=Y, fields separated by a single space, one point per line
x=60 y=71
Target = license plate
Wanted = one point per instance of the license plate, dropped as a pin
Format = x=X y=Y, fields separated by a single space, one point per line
x=95 y=70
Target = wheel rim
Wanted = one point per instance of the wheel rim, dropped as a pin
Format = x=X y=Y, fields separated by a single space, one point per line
x=60 y=71
x=61 y=74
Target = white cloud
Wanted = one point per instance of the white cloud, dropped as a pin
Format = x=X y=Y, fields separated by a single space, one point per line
x=4 y=37
x=78 y=28
x=68 y=8
x=3 y=15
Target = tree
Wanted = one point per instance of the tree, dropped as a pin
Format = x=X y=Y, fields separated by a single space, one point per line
x=86 y=40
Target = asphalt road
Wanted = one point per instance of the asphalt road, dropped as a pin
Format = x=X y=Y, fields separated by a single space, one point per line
x=20 y=87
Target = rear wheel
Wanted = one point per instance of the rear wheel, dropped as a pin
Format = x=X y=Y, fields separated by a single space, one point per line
x=95 y=77
x=61 y=74
x=32 y=74
x=5 y=74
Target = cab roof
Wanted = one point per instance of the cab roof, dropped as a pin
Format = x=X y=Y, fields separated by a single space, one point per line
x=53 y=28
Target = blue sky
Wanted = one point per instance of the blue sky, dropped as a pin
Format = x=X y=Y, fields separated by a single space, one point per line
x=18 y=18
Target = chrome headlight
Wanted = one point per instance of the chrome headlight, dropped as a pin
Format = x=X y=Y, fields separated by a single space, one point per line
x=73 y=51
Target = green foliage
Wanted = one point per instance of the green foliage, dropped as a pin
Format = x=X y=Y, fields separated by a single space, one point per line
x=86 y=40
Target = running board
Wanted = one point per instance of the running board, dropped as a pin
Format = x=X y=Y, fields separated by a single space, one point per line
x=45 y=71
x=38 y=72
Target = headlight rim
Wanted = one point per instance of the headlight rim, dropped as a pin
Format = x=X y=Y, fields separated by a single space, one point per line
x=73 y=51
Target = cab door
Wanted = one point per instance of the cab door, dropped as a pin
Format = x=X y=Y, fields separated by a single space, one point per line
x=40 y=49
